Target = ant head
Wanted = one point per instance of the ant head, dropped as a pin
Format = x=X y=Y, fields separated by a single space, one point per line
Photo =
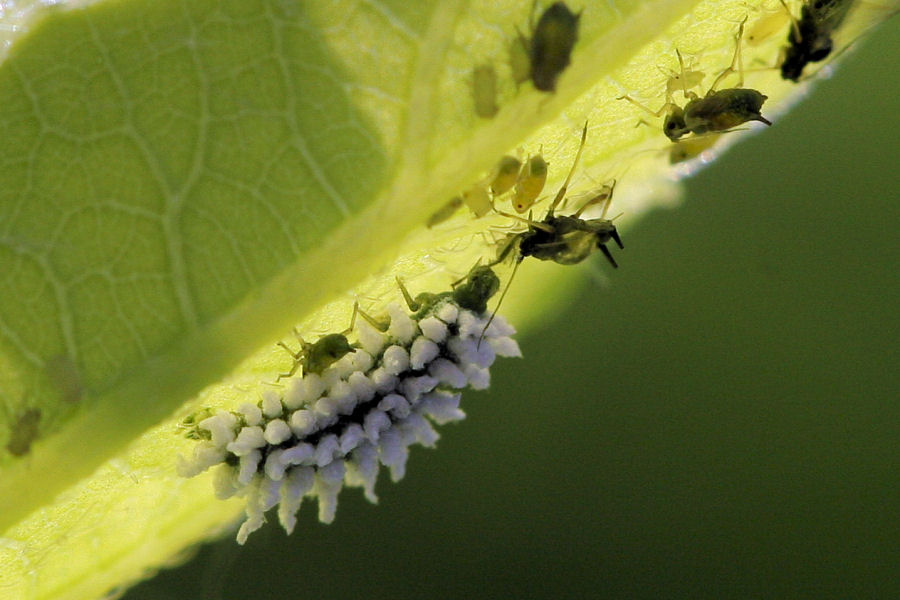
x=820 y=48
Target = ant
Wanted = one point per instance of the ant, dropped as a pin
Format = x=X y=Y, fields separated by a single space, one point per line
x=809 y=38
x=718 y=110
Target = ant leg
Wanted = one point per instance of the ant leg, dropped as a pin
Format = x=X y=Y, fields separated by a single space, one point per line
x=795 y=24
x=736 y=60
x=565 y=186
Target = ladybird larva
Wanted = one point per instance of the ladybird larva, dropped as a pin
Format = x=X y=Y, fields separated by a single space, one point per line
x=336 y=427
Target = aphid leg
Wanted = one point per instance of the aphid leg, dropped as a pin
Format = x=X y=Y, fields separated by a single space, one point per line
x=604 y=195
x=683 y=77
x=499 y=302
x=297 y=356
x=736 y=61
x=656 y=113
x=565 y=186
x=412 y=304
x=379 y=325
x=529 y=222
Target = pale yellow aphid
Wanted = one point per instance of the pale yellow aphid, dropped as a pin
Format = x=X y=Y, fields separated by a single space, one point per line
x=766 y=26
x=506 y=175
x=691 y=147
x=484 y=91
x=682 y=80
x=530 y=183
x=478 y=200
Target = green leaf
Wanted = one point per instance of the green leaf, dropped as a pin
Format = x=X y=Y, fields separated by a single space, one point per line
x=182 y=182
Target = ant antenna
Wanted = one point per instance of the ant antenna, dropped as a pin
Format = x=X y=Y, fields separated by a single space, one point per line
x=795 y=25
x=565 y=186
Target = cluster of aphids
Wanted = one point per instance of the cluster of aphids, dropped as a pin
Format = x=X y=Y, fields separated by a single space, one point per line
x=358 y=399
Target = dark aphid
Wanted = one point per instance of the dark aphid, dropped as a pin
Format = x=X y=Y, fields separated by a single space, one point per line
x=565 y=240
x=550 y=45
x=809 y=38
x=472 y=293
x=317 y=356
x=24 y=432
x=717 y=111
x=484 y=91
x=444 y=212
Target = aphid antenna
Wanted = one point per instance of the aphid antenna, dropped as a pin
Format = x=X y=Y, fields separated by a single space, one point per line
x=605 y=195
x=565 y=186
x=736 y=60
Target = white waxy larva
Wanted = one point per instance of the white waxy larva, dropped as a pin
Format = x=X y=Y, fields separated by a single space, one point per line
x=324 y=430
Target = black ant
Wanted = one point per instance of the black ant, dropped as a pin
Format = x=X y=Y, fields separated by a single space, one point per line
x=809 y=38
x=718 y=110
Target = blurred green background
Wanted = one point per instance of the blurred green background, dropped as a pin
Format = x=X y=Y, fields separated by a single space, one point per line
x=721 y=421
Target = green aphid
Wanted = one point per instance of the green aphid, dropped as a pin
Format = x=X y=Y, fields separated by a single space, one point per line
x=472 y=293
x=24 y=432
x=484 y=91
x=317 y=356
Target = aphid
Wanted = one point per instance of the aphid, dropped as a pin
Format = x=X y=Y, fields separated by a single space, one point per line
x=336 y=427
x=690 y=148
x=319 y=355
x=472 y=293
x=484 y=91
x=24 y=432
x=507 y=173
x=684 y=79
x=765 y=27
x=444 y=212
x=478 y=200
x=718 y=110
x=530 y=183
x=809 y=38
x=549 y=48
x=565 y=240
